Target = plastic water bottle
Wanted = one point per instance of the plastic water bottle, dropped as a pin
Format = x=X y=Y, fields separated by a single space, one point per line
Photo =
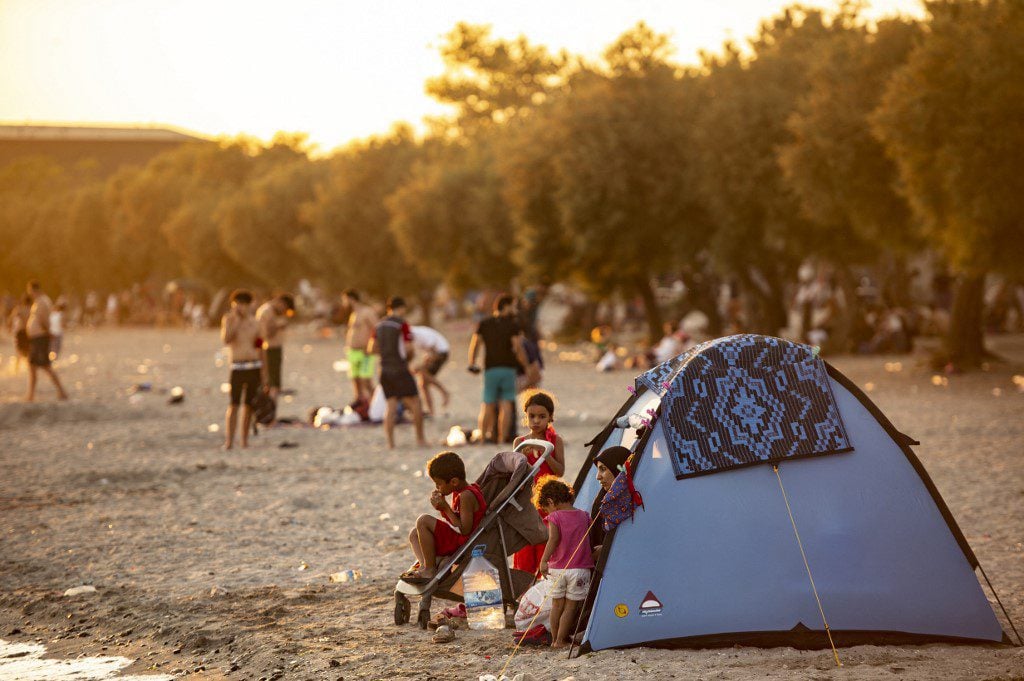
x=482 y=592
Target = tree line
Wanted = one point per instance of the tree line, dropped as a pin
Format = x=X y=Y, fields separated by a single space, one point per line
x=854 y=143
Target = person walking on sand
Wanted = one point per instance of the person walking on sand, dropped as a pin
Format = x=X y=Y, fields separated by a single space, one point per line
x=240 y=332
x=361 y=323
x=502 y=339
x=38 y=330
x=433 y=347
x=392 y=340
x=273 y=320
x=17 y=322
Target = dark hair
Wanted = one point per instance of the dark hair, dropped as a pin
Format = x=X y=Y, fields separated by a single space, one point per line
x=241 y=295
x=34 y=285
x=445 y=466
x=551 y=489
x=351 y=293
x=540 y=399
x=395 y=302
x=613 y=457
x=288 y=300
x=26 y=299
x=503 y=301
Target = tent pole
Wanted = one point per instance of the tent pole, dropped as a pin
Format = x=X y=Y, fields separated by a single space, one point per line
x=1001 y=606
x=800 y=544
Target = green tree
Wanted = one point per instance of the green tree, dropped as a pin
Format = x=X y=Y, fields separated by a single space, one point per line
x=491 y=80
x=451 y=222
x=34 y=197
x=349 y=242
x=839 y=170
x=87 y=242
x=623 y=170
x=952 y=119
x=261 y=225
x=760 y=233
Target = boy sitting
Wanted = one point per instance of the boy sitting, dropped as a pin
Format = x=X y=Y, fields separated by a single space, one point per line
x=438 y=537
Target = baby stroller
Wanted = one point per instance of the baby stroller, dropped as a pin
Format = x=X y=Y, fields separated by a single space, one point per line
x=510 y=524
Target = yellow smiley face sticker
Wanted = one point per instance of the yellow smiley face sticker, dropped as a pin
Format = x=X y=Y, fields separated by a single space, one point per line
x=621 y=610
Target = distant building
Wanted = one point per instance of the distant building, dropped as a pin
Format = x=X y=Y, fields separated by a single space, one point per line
x=109 y=148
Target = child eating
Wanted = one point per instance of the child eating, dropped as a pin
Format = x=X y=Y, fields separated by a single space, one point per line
x=438 y=537
x=566 y=558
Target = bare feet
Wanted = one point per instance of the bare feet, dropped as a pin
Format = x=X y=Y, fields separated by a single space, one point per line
x=422 y=443
x=559 y=644
x=226 y=446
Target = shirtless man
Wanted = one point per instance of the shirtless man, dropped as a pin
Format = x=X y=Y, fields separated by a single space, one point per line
x=38 y=329
x=361 y=323
x=240 y=332
x=273 y=320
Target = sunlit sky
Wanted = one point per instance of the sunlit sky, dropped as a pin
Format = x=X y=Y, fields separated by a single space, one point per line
x=337 y=69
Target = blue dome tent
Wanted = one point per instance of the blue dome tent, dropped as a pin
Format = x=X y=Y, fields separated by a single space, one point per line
x=776 y=498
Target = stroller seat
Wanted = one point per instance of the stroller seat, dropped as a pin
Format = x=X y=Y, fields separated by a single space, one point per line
x=511 y=523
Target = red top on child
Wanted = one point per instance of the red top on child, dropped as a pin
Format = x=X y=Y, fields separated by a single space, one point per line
x=534 y=453
x=447 y=538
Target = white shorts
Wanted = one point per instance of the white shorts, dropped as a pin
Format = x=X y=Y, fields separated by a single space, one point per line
x=571 y=583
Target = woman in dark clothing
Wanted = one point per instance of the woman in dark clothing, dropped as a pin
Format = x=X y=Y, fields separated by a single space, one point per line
x=607 y=463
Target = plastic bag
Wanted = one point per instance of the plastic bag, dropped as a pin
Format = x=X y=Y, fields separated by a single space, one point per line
x=533 y=600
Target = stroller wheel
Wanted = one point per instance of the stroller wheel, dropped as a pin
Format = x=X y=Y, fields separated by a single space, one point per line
x=423 y=619
x=402 y=609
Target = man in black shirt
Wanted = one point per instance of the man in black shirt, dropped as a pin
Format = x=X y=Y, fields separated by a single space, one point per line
x=503 y=353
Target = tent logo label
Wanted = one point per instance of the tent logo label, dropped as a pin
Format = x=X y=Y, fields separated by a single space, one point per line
x=651 y=606
x=621 y=610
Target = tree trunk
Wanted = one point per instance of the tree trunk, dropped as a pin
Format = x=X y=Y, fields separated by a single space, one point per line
x=896 y=282
x=843 y=323
x=965 y=343
x=765 y=308
x=702 y=291
x=426 y=301
x=653 y=314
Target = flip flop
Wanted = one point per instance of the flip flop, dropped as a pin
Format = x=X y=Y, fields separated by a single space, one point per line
x=413 y=577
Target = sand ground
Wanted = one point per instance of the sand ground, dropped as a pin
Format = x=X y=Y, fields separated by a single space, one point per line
x=216 y=563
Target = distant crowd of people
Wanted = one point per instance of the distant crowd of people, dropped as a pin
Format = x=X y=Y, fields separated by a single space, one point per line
x=385 y=353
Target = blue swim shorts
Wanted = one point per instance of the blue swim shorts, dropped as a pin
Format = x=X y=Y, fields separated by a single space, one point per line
x=499 y=385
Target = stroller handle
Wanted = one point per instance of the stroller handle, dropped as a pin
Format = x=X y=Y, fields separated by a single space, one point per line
x=544 y=444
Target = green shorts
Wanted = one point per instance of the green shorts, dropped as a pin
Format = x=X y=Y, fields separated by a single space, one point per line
x=499 y=385
x=360 y=364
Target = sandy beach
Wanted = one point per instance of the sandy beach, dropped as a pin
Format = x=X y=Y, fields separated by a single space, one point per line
x=216 y=564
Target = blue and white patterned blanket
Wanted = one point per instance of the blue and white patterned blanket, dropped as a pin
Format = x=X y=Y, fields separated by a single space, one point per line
x=743 y=400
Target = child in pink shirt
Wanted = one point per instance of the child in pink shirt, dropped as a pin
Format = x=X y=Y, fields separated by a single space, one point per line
x=567 y=559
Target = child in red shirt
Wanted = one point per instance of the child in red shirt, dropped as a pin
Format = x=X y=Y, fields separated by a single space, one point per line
x=437 y=537
x=539 y=407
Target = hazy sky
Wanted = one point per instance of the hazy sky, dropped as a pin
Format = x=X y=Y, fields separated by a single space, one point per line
x=335 y=69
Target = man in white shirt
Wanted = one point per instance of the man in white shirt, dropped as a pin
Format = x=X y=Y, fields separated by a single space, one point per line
x=434 y=348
